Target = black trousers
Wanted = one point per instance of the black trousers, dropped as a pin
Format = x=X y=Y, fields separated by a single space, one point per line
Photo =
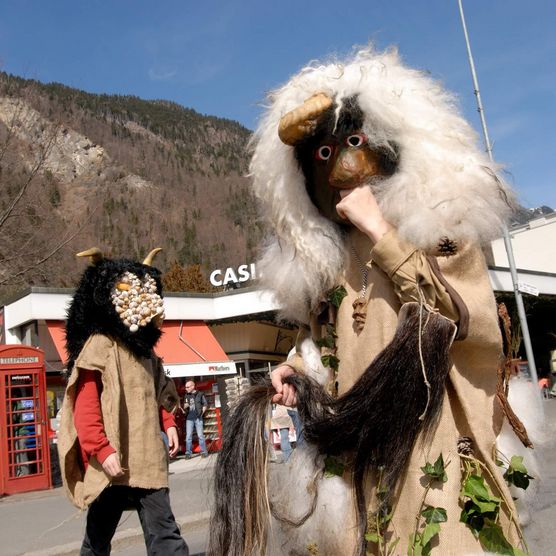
x=162 y=536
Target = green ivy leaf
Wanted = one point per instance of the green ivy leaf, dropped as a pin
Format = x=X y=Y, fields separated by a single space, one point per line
x=472 y=517
x=372 y=537
x=516 y=463
x=333 y=467
x=518 y=479
x=330 y=361
x=431 y=529
x=386 y=518
x=436 y=471
x=417 y=550
x=492 y=539
x=336 y=295
x=475 y=488
x=415 y=547
x=516 y=474
x=331 y=330
x=434 y=515
x=428 y=469
x=327 y=341
x=470 y=509
x=439 y=464
x=487 y=508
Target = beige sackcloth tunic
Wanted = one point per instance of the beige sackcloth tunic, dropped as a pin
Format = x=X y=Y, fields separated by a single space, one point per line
x=133 y=390
x=394 y=269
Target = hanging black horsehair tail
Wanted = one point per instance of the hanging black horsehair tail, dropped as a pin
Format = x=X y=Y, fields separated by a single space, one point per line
x=378 y=420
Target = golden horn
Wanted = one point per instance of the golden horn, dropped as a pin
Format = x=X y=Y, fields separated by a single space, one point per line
x=302 y=121
x=149 y=258
x=94 y=253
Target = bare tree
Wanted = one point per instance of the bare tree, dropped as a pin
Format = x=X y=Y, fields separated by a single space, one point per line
x=32 y=229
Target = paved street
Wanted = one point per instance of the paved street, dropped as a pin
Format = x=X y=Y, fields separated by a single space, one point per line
x=196 y=537
x=45 y=524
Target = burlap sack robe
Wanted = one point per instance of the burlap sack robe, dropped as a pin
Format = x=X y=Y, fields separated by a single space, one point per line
x=133 y=391
x=395 y=269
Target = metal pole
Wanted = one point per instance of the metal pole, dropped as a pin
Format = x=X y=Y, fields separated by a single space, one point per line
x=507 y=240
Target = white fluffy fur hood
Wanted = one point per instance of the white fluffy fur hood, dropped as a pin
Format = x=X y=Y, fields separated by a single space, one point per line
x=445 y=185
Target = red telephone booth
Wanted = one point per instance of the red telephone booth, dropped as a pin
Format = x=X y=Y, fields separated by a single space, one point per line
x=24 y=448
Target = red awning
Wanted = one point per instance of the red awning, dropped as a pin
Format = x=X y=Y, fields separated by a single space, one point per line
x=182 y=342
x=57 y=329
x=188 y=342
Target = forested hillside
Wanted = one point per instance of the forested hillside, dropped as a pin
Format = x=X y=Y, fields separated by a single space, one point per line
x=121 y=173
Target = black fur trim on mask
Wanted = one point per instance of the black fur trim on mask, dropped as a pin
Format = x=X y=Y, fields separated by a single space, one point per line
x=92 y=311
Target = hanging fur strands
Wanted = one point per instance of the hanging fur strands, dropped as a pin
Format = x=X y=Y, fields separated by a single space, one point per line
x=377 y=421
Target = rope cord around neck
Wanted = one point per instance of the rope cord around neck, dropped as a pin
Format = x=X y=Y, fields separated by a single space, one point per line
x=422 y=304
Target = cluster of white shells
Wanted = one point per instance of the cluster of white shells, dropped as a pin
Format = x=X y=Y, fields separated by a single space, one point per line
x=137 y=302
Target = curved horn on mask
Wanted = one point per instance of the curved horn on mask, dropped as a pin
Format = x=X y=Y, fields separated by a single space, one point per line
x=149 y=258
x=94 y=253
x=302 y=121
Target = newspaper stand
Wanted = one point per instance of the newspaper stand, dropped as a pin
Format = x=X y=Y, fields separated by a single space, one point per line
x=24 y=444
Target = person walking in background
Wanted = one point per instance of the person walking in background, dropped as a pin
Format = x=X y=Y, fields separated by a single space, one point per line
x=293 y=413
x=283 y=422
x=194 y=407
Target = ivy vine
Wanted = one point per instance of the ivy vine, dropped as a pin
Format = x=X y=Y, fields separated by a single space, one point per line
x=481 y=508
x=516 y=472
x=429 y=518
x=328 y=341
x=336 y=296
x=378 y=521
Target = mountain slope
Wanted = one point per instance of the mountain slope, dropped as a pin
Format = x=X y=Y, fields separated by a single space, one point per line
x=123 y=173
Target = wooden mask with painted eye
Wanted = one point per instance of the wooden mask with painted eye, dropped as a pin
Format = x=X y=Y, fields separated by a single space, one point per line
x=338 y=156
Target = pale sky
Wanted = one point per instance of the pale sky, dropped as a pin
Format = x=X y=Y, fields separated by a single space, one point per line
x=221 y=57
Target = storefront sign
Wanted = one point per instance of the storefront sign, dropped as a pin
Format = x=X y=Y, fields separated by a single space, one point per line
x=201 y=369
x=244 y=273
x=527 y=288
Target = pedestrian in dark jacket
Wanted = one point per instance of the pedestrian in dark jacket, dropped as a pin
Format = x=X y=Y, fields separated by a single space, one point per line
x=194 y=406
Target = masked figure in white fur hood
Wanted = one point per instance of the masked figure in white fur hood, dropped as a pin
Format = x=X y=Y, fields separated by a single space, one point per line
x=380 y=201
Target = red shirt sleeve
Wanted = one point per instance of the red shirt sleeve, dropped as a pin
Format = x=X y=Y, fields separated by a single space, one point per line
x=167 y=419
x=87 y=418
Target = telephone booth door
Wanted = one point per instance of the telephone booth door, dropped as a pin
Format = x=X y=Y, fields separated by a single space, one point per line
x=24 y=448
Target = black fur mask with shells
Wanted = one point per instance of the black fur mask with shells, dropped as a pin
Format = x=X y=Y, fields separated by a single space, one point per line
x=101 y=304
